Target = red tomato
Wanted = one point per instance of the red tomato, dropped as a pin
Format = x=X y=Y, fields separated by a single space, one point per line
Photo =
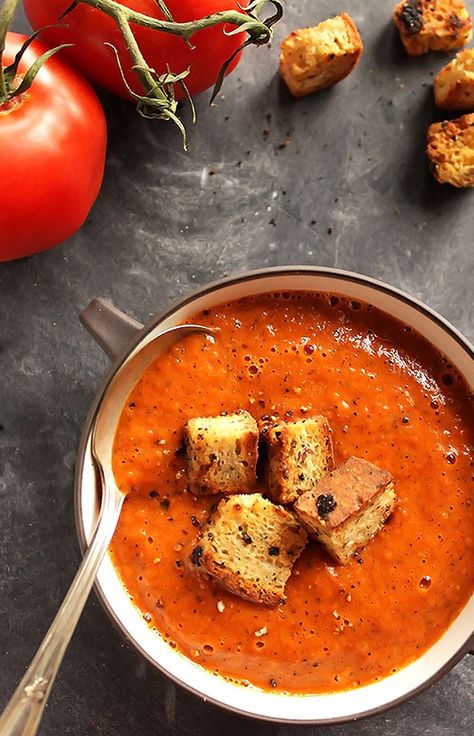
x=89 y=29
x=52 y=153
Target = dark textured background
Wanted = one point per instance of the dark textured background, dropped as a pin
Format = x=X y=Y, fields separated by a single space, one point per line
x=161 y=226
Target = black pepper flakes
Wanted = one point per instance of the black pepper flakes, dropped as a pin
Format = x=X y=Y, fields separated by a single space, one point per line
x=165 y=503
x=325 y=503
x=179 y=563
x=455 y=21
x=274 y=551
x=247 y=538
x=196 y=555
x=411 y=15
x=273 y=683
x=195 y=521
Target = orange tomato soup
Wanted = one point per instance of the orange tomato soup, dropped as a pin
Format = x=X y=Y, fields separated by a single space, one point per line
x=391 y=398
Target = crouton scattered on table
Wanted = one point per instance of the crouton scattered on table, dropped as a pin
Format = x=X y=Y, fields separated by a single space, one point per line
x=454 y=84
x=450 y=150
x=312 y=59
x=432 y=25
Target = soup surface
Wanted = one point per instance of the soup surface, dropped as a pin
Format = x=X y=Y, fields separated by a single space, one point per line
x=390 y=398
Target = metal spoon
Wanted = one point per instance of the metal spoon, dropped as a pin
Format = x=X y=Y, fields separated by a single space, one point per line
x=23 y=713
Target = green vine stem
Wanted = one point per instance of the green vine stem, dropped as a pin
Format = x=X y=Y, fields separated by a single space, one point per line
x=158 y=99
x=13 y=85
x=7 y=11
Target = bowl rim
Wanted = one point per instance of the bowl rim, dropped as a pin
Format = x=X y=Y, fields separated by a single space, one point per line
x=156 y=319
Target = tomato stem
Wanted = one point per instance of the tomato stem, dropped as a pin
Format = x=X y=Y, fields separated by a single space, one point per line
x=158 y=100
x=7 y=11
x=257 y=29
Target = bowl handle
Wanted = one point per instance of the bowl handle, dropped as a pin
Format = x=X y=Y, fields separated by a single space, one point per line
x=111 y=329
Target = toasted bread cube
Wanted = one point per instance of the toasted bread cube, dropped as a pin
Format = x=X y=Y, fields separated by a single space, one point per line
x=454 y=84
x=432 y=25
x=222 y=453
x=450 y=151
x=249 y=546
x=296 y=456
x=347 y=508
x=315 y=58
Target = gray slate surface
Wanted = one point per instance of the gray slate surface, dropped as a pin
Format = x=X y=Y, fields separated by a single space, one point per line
x=161 y=226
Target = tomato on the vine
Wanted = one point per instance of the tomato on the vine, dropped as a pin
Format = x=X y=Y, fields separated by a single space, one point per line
x=52 y=151
x=90 y=29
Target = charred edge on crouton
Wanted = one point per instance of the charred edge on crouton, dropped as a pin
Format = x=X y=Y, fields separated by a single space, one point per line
x=411 y=15
x=325 y=503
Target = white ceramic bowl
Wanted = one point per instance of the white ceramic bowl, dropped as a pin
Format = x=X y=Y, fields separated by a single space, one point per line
x=121 y=337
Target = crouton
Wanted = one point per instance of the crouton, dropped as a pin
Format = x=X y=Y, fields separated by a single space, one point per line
x=249 y=546
x=296 y=456
x=432 y=25
x=450 y=150
x=315 y=58
x=454 y=84
x=347 y=508
x=221 y=453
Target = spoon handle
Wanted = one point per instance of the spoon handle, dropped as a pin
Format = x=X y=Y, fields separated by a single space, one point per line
x=23 y=713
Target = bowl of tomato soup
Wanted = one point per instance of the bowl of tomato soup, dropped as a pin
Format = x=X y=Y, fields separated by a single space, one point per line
x=395 y=381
